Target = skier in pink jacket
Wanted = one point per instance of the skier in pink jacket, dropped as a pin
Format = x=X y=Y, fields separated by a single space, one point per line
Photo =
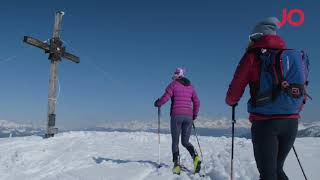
x=185 y=106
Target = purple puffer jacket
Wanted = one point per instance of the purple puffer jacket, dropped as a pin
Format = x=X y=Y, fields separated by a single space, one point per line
x=184 y=98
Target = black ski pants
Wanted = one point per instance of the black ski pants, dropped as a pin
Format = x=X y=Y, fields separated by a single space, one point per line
x=272 y=141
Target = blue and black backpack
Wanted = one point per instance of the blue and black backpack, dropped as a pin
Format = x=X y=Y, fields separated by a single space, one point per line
x=283 y=82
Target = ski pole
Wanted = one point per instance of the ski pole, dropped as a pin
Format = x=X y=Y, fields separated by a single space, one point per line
x=195 y=131
x=194 y=128
x=232 y=146
x=295 y=152
x=159 y=116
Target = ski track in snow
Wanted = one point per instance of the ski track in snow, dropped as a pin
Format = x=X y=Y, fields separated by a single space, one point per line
x=134 y=156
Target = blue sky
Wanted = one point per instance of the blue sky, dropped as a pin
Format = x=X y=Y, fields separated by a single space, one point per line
x=128 y=51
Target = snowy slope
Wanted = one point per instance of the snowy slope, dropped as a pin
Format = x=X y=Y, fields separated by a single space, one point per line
x=133 y=156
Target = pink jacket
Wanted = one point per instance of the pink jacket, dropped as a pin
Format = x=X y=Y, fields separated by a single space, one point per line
x=184 y=99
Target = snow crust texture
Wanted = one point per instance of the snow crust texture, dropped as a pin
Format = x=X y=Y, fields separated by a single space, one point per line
x=134 y=156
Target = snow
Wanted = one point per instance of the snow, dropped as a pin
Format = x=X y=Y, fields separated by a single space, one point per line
x=133 y=156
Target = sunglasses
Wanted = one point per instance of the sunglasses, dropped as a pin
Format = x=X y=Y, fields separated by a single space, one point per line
x=255 y=36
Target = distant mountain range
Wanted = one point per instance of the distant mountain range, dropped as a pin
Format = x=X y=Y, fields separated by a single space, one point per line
x=12 y=129
x=201 y=122
x=309 y=130
x=205 y=127
x=304 y=130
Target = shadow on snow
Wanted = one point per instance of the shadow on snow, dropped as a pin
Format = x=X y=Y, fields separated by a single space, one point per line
x=100 y=160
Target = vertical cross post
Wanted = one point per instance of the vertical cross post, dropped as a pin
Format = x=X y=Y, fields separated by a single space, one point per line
x=56 y=51
x=51 y=130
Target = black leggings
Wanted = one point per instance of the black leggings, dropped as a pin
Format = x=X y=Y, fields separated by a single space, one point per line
x=181 y=125
x=272 y=141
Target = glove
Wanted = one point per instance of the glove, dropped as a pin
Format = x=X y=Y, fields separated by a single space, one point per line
x=156 y=103
x=194 y=117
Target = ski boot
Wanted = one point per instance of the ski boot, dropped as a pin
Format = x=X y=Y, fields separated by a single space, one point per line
x=197 y=164
x=176 y=160
x=196 y=159
x=176 y=169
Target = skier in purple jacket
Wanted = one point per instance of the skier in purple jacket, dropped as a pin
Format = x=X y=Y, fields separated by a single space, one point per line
x=184 y=110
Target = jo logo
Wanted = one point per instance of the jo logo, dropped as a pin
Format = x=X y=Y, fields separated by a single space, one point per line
x=287 y=16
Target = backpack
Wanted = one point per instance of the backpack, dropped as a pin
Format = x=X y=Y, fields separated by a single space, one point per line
x=283 y=82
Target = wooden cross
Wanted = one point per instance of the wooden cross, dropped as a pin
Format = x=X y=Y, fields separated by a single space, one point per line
x=56 y=51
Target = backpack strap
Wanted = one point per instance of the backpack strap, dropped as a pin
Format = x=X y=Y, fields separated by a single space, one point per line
x=254 y=101
x=267 y=97
x=277 y=71
x=278 y=68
